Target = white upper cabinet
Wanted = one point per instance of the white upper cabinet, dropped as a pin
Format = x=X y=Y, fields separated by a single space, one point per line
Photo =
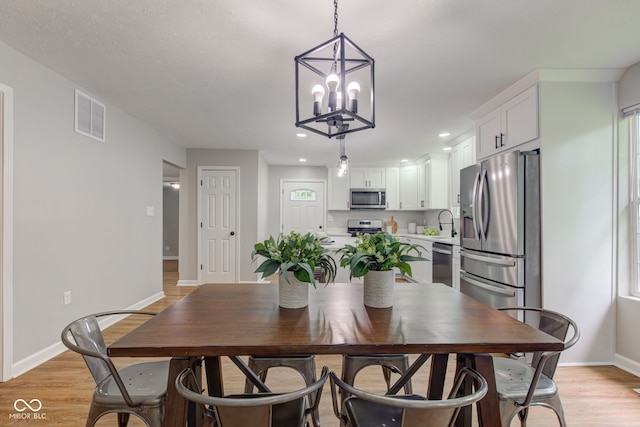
x=513 y=123
x=392 y=182
x=367 y=177
x=462 y=155
x=409 y=188
x=433 y=183
x=438 y=183
x=338 y=199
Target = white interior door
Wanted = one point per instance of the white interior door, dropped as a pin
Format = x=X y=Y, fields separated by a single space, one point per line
x=303 y=206
x=218 y=226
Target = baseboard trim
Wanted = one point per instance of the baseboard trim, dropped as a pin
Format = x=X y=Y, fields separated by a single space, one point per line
x=47 y=353
x=187 y=283
x=627 y=364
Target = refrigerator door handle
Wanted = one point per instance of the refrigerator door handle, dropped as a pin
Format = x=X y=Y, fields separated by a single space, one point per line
x=488 y=260
x=480 y=207
x=487 y=286
x=474 y=209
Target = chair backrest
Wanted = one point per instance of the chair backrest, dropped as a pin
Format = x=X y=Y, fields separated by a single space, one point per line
x=552 y=323
x=88 y=338
x=89 y=342
x=417 y=411
x=256 y=410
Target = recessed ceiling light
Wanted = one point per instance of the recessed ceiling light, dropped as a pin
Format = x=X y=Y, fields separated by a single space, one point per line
x=404 y=160
x=302 y=160
x=301 y=135
x=444 y=134
x=446 y=149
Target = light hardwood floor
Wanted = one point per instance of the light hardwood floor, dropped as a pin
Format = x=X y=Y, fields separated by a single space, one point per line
x=592 y=396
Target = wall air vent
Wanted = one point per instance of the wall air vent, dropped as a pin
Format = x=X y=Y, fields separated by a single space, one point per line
x=90 y=116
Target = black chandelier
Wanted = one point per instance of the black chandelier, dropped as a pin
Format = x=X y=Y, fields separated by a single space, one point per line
x=344 y=68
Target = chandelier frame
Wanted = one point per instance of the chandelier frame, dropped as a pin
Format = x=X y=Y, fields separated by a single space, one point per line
x=340 y=121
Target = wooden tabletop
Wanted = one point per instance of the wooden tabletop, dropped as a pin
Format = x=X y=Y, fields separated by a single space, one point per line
x=241 y=319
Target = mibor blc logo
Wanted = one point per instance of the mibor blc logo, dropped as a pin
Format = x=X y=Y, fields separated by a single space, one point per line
x=28 y=410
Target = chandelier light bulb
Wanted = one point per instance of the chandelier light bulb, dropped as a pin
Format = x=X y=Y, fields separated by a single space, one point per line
x=318 y=94
x=343 y=165
x=333 y=82
x=353 y=90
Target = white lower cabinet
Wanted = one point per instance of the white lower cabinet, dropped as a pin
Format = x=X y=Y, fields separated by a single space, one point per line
x=422 y=271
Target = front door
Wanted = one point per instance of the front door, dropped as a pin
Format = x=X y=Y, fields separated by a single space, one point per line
x=303 y=206
x=218 y=226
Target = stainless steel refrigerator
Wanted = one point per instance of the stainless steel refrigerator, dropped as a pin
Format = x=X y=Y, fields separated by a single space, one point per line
x=500 y=230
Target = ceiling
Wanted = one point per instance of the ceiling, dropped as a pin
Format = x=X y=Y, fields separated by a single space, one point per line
x=220 y=74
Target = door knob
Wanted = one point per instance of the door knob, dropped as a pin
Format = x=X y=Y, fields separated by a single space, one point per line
x=233 y=233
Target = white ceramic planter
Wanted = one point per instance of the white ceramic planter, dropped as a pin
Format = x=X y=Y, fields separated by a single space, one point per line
x=294 y=294
x=378 y=288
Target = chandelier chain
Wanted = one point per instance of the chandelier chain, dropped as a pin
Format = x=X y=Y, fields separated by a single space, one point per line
x=335 y=34
x=335 y=18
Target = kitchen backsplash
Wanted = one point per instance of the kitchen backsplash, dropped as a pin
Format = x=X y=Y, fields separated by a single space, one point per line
x=337 y=220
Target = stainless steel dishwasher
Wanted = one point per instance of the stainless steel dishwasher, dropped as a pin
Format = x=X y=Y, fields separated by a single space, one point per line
x=442 y=263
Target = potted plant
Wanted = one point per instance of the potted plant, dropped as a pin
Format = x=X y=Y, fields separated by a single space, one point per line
x=374 y=256
x=299 y=254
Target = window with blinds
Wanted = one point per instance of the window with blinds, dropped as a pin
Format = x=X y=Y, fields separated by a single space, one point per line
x=634 y=138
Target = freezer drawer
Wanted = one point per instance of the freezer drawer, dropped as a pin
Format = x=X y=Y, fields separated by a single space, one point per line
x=497 y=268
x=489 y=292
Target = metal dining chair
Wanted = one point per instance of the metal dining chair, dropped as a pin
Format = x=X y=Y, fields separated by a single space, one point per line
x=256 y=410
x=390 y=363
x=363 y=409
x=528 y=380
x=305 y=365
x=138 y=389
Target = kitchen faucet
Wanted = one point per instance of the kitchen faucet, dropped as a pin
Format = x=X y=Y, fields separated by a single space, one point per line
x=453 y=229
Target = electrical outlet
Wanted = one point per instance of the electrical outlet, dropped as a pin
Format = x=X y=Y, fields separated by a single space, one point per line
x=67 y=298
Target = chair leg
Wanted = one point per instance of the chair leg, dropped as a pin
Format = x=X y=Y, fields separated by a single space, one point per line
x=123 y=419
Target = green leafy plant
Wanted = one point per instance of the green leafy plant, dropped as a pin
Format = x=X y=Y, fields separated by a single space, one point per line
x=300 y=254
x=378 y=252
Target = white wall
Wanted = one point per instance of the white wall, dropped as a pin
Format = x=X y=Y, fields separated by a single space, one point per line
x=79 y=209
x=264 y=201
x=170 y=221
x=577 y=125
x=249 y=165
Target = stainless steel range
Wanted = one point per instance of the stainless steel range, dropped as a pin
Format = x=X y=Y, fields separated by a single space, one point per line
x=371 y=226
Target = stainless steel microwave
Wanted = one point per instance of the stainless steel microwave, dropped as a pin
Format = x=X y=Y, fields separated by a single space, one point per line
x=368 y=198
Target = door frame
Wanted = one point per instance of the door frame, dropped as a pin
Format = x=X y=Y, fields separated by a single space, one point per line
x=6 y=234
x=324 y=201
x=201 y=170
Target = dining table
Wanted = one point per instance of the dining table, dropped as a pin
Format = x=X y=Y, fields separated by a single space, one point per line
x=237 y=319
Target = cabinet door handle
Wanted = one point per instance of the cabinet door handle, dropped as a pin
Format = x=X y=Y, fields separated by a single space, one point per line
x=501 y=140
x=497 y=146
x=458 y=198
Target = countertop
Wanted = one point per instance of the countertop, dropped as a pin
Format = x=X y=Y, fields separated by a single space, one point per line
x=342 y=238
